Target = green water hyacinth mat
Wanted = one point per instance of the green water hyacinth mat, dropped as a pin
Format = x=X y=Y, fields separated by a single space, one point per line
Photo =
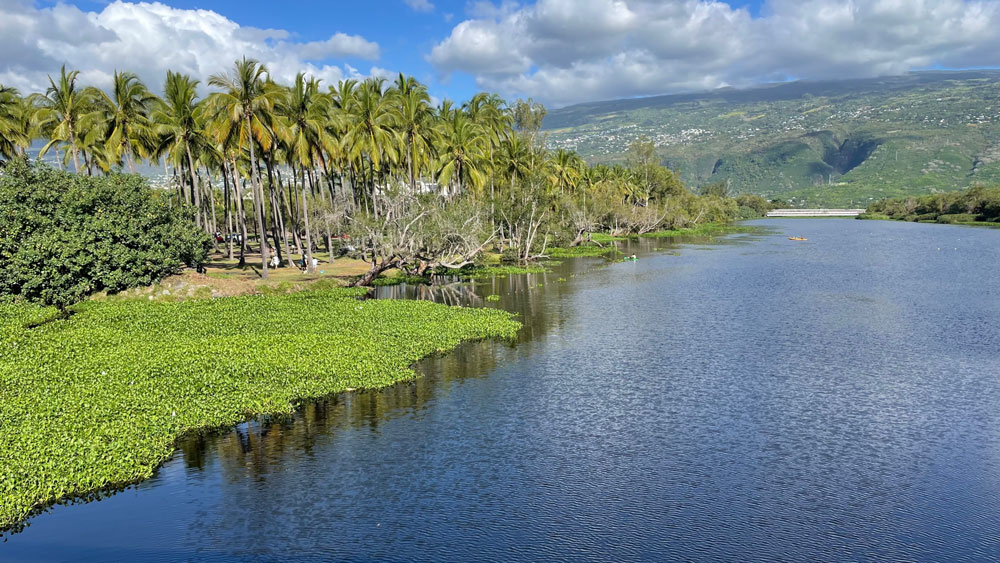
x=99 y=399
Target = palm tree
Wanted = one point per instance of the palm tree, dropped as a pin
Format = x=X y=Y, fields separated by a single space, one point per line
x=566 y=169
x=129 y=132
x=176 y=124
x=305 y=110
x=463 y=153
x=63 y=110
x=15 y=113
x=243 y=109
x=413 y=116
x=515 y=158
x=371 y=132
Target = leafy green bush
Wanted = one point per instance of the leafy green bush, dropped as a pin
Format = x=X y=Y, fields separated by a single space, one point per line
x=972 y=205
x=65 y=236
x=957 y=218
x=100 y=398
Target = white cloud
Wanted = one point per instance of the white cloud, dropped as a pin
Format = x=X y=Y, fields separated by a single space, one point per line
x=420 y=5
x=565 y=51
x=338 y=46
x=149 y=38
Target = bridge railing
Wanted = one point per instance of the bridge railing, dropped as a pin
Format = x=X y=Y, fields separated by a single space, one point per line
x=815 y=212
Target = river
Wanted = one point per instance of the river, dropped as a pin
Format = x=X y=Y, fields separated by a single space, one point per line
x=753 y=398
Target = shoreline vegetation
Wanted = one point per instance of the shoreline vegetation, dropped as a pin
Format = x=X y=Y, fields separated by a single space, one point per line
x=99 y=399
x=131 y=314
x=976 y=206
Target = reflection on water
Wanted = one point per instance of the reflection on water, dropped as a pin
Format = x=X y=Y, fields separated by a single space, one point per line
x=764 y=399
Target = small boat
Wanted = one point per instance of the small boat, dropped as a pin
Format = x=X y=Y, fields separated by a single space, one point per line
x=797 y=238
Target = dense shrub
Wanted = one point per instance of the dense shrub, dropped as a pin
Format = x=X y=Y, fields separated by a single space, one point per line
x=65 y=236
x=974 y=204
x=957 y=218
x=759 y=205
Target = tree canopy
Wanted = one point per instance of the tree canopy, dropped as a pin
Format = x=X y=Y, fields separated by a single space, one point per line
x=65 y=236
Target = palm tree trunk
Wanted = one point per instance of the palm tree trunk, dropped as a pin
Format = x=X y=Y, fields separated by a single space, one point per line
x=211 y=203
x=305 y=215
x=72 y=142
x=166 y=176
x=288 y=200
x=258 y=201
x=278 y=226
x=242 y=214
x=194 y=186
x=409 y=159
x=279 y=199
x=228 y=201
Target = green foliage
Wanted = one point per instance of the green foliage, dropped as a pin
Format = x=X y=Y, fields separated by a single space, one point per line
x=758 y=206
x=100 y=398
x=484 y=272
x=399 y=279
x=718 y=189
x=974 y=205
x=493 y=298
x=956 y=218
x=583 y=250
x=65 y=236
x=707 y=229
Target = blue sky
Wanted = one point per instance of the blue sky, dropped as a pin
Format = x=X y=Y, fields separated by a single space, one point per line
x=558 y=51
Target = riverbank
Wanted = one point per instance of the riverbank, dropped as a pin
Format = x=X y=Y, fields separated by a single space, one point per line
x=103 y=396
x=961 y=219
x=99 y=399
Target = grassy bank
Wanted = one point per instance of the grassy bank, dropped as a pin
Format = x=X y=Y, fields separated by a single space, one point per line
x=99 y=398
x=703 y=230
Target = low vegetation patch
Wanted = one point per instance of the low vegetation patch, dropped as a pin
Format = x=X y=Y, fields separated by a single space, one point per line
x=974 y=206
x=399 y=279
x=483 y=272
x=583 y=250
x=99 y=398
x=706 y=229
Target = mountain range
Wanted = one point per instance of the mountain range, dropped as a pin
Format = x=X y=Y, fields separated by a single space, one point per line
x=821 y=143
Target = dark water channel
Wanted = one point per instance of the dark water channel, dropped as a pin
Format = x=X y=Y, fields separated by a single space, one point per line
x=752 y=399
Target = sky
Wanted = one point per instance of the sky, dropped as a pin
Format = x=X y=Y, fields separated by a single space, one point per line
x=559 y=52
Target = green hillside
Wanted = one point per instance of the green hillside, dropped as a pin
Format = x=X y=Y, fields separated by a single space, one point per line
x=822 y=143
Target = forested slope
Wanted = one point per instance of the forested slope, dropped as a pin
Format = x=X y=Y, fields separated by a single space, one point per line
x=815 y=143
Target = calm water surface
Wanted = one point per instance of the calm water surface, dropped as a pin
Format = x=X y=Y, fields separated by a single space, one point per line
x=757 y=398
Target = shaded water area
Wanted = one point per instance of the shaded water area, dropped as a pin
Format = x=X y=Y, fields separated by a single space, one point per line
x=754 y=398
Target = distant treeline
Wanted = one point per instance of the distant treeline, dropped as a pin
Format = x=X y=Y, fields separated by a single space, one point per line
x=974 y=205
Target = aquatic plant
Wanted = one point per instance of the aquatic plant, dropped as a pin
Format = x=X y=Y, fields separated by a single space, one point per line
x=583 y=250
x=482 y=272
x=398 y=279
x=99 y=398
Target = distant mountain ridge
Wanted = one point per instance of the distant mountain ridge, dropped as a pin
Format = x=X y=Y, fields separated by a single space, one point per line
x=833 y=142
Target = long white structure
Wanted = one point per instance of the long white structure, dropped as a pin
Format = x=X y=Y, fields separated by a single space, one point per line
x=815 y=212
